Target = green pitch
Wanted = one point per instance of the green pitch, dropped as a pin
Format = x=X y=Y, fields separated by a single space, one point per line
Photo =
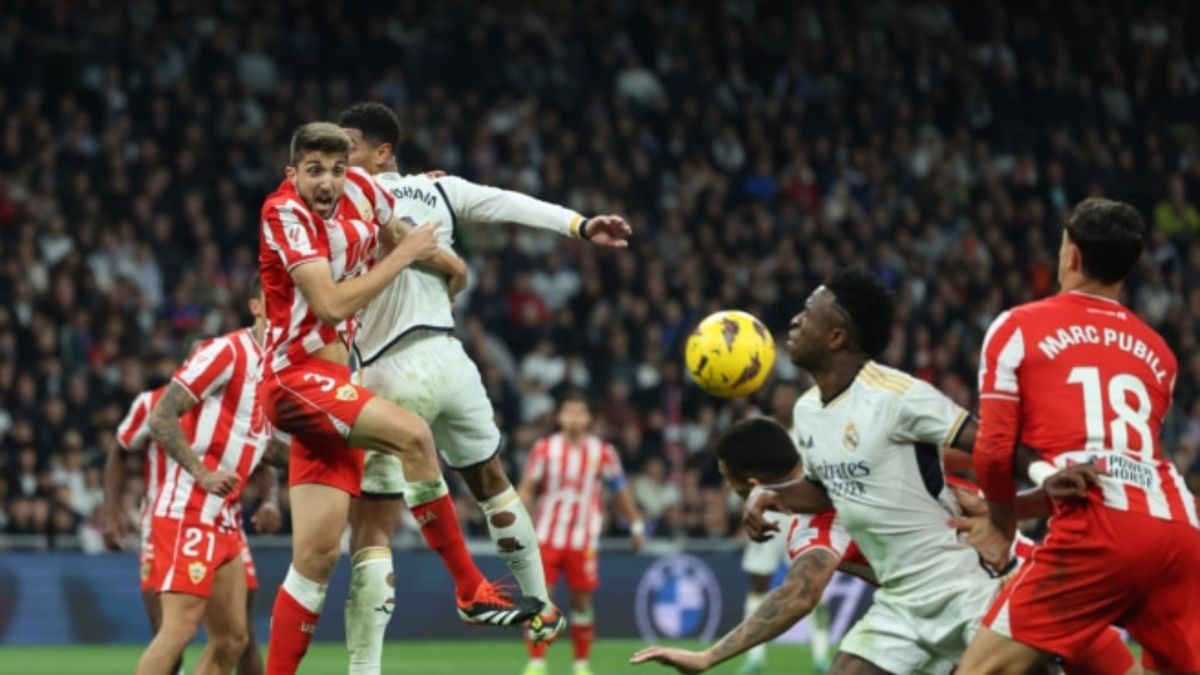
x=425 y=658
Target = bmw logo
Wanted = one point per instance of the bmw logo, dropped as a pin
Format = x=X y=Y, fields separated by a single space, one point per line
x=678 y=597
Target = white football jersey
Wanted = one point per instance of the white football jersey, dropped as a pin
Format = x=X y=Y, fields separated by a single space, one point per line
x=876 y=448
x=418 y=299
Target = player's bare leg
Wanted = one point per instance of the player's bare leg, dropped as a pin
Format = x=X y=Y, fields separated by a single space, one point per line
x=251 y=661
x=849 y=664
x=181 y=615
x=373 y=520
x=225 y=621
x=387 y=427
x=512 y=531
x=583 y=630
x=318 y=517
x=990 y=653
x=154 y=616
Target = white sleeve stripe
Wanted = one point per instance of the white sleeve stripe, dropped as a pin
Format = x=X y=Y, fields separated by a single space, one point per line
x=1002 y=397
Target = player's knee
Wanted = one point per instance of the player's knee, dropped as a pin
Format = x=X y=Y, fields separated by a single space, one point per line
x=318 y=562
x=231 y=643
x=412 y=438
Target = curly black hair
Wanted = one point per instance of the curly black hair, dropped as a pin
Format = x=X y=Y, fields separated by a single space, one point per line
x=377 y=122
x=869 y=305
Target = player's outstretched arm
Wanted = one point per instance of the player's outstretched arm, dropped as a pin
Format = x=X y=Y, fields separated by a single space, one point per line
x=793 y=600
x=471 y=202
x=114 y=484
x=333 y=302
x=629 y=509
x=168 y=432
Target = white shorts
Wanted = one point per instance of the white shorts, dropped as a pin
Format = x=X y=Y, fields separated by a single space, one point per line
x=431 y=375
x=762 y=559
x=929 y=638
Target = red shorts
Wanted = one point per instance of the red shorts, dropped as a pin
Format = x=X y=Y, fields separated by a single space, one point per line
x=187 y=555
x=1106 y=655
x=248 y=563
x=317 y=404
x=582 y=568
x=1100 y=567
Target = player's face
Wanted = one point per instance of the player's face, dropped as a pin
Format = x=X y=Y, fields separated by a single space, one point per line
x=574 y=418
x=363 y=154
x=740 y=484
x=257 y=306
x=319 y=178
x=810 y=328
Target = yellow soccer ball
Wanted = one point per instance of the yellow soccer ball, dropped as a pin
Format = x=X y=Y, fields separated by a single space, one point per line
x=730 y=354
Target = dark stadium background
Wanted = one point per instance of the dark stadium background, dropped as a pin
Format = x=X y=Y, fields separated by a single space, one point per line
x=754 y=146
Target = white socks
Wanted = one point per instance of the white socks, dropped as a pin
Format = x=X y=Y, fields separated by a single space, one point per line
x=820 y=634
x=421 y=492
x=369 y=608
x=310 y=594
x=757 y=653
x=512 y=530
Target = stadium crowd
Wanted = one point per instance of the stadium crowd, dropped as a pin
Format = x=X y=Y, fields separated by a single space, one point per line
x=754 y=146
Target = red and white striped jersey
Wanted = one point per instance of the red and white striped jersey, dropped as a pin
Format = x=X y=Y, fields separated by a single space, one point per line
x=133 y=435
x=230 y=430
x=293 y=235
x=570 y=504
x=1081 y=378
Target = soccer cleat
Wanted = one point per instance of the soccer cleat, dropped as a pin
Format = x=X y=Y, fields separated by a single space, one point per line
x=493 y=607
x=581 y=668
x=546 y=626
x=534 y=668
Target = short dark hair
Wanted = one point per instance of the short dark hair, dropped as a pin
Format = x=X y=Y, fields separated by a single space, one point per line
x=757 y=445
x=319 y=137
x=574 y=396
x=377 y=122
x=1110 y=235
x=254 y=288
x=869 y=305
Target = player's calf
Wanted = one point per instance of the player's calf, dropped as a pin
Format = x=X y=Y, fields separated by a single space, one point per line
x=181 y=616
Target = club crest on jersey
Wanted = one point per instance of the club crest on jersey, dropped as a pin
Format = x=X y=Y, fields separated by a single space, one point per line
x=196 y=571
x=850 y=437
x=367 y=212
x=346 y=392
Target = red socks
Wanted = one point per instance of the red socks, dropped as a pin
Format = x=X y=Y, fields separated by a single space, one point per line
x=537 y=651
x=582 y=636
x=292 y=628
x=439 y=526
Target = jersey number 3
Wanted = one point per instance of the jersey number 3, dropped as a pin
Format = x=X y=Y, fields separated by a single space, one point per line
x=1115 y=435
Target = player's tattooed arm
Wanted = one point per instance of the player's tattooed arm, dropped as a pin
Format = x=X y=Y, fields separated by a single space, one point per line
x=794 y=599
x=168 y=432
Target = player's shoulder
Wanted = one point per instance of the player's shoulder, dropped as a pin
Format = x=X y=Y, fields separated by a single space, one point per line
x=886 y=381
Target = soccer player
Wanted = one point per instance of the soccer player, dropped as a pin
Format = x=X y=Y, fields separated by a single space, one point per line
x=871 y=438
x=408 y=354
x=761 y=559
x=209 y=434
x=757 y=451
x=320 y=266
x=567 y=474
x=1081 y=379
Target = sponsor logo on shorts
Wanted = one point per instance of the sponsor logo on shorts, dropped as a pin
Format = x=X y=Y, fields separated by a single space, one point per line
x=346 y=392
x=196 y=571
